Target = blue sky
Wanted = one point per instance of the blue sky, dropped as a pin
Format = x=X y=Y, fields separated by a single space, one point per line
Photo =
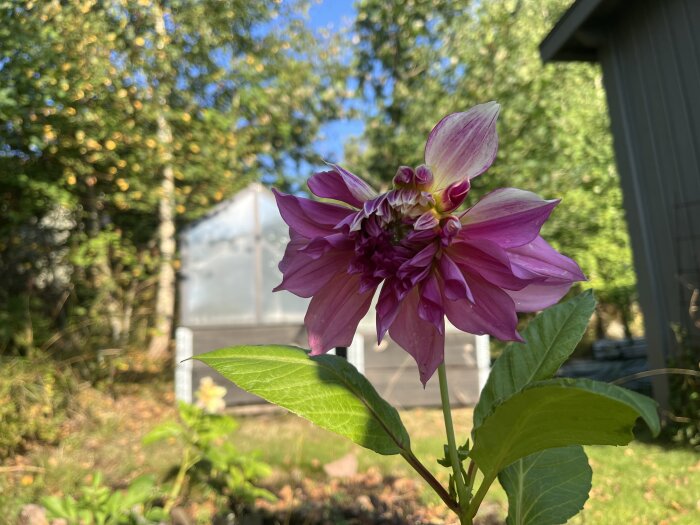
x=334 y=14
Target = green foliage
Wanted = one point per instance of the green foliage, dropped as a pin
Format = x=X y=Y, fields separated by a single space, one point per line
x=419 y=61
x=85 y=89
x=326 y=390
x=548 y=487
x=684 y=424
x=557 y=413
x=210 y=460
x=546 y=414
x=550 y=339
x=34 y=397
x=528 y=427
x=98 y=504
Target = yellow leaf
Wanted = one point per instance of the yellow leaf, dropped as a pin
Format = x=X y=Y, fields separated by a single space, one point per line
x=110 y=145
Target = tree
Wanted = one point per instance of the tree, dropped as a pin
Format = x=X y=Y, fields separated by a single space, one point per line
x=419 y=62
x=127 y=118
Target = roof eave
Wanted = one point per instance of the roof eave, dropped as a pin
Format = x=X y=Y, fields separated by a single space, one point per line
x=577 y=35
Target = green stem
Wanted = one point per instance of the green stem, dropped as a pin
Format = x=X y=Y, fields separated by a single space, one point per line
x=179 y=482
x=462 y=495
x=427 y=476
x=479 y=496
x=471 y=474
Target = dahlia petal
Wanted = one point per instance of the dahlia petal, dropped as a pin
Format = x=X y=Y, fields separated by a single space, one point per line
x=462 y=145
x=341 y=185
x=430 y=303
x=493 y=311
x=427 y=221
x=387 y=308
x=310 y=218
x=456 y=288
x=334 y=313
x=296 y=243
x=508 y=217
x=418 y=267
x=538 y=296
x=305 y=275
x=490 y=261
x=422 y=259
x=320 y=245
x=418 y=337
x=538 y=258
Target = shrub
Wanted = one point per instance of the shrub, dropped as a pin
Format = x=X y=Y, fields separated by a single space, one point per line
x=97 y=504
x=34 y=396
x=209 y=459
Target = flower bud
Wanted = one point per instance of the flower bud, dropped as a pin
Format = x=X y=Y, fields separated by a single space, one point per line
x=454 y=195
x=404 y=176
x=424 y=177
x=450 y=228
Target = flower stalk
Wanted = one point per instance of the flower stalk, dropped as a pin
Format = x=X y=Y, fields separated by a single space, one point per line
x=462 y=493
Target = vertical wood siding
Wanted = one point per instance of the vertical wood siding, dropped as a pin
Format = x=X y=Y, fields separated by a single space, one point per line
x=651 y=68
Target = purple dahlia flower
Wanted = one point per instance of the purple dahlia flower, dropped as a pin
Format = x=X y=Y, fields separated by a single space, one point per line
x=477 y=267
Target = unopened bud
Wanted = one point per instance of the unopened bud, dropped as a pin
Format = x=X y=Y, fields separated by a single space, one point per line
x=450 y=228
x=404 y=176
x=424 y=177
x=454 y=195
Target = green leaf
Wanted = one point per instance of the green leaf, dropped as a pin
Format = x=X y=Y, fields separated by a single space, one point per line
x=169 y=429
x=326 y=390
x=547 y=487
x=139 y=491
x=550 y=339
x=558 y=413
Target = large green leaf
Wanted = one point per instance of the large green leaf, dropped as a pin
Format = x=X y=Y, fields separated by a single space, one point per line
x=547 y=487
x=326 y=390
x=558 y=413
x=550 y=339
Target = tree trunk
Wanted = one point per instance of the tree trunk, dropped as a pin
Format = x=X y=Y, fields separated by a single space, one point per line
x=165 y=293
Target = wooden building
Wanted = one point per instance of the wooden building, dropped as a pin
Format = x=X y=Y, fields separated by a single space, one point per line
x=649 y=51
x=229 y=268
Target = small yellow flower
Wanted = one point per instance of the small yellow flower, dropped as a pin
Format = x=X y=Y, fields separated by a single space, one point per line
x=210 y=396
x=26 y=480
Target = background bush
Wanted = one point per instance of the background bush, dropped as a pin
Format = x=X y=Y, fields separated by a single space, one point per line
x=34 y=397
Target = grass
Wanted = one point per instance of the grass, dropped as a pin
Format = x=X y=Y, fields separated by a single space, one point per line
x=640 y=484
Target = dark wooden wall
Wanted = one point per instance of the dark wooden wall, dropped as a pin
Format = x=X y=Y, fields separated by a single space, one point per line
x=651 y=68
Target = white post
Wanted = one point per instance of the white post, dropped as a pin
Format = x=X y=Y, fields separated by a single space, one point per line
x=356 y=353
x=183 y=369
x=483 y=359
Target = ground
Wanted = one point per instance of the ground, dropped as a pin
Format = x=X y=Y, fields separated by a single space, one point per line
x=641 y=484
